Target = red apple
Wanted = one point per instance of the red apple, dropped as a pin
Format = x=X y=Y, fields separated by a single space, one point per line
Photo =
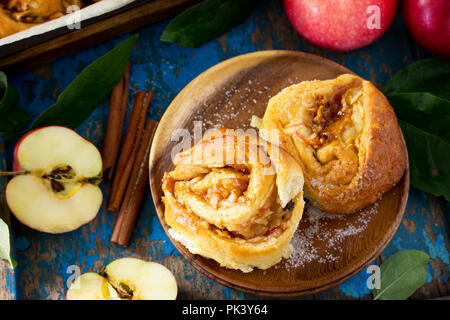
x=428 y=21
x=341 y=25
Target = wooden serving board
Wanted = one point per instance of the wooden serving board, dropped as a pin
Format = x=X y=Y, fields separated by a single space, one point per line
x=64 y=42
x=328 y=249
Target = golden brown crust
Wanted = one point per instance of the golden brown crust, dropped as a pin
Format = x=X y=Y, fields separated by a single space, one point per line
x=16 y=16
x=368 y=154
x=254 y=230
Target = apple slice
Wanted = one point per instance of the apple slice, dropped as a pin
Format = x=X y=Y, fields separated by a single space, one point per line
x=56 y=186
x=141 y=280
x=126 y=279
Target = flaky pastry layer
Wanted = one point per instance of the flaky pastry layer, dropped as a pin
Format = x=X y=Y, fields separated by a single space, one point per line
x=236 y=199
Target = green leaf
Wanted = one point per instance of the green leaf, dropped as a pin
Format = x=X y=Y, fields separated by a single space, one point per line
x=420 y=95
x=427 y=75
x=423 y=110
x=401 y=275
x=5 y=249
x=12 y=119
x=429 y=158
x=89 y=88
x=206 y=21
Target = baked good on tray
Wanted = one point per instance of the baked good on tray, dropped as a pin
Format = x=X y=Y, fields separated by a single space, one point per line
x=234 y=198
x=18 y=15
x=346 y=137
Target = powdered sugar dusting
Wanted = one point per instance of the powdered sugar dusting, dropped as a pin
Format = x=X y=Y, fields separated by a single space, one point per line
x=237 y=104
x=332 y=230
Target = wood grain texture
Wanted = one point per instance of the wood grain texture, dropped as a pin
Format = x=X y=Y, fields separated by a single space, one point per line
x=7 y=282
x=87 y=36
x=252 y=79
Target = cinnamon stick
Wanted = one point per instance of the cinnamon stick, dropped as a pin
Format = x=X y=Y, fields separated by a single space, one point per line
x=116 y=117
x=136 y=190
x=129 y=149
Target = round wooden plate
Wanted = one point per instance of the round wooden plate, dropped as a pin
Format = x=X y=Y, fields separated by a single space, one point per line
x=328 y=249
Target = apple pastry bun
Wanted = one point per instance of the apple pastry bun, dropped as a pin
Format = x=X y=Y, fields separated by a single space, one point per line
x=345 y=135
x=234 y=198
x=16 y=16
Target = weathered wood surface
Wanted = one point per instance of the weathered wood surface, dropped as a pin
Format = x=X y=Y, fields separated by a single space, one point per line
x=164 y=68
x=7 y=278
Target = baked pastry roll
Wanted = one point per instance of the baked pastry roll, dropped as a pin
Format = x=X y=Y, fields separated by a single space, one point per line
x=9 y=26
x=346 y=137
x=234 y=198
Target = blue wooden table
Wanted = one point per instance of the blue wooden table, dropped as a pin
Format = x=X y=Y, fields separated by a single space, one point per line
x=163 y=68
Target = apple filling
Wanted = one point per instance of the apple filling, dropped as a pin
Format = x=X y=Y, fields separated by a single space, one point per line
x=216 y=196
x=18 y=15
x=236 y=200
x=36 y=11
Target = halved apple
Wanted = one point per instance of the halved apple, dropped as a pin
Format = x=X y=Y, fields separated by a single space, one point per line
x=126 y=279
x=55 y=189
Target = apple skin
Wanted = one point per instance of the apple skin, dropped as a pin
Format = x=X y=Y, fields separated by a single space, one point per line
x=428 y=22
x=339 y=25
x=16 y=165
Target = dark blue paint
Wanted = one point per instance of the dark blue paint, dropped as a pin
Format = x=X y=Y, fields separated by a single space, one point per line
x=22 y=243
